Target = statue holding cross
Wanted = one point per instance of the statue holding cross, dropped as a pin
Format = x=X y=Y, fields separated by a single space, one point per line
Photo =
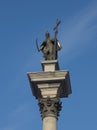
x=51 y=46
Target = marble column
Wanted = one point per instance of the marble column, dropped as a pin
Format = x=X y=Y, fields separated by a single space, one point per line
x=49 y=109
x=49 y=123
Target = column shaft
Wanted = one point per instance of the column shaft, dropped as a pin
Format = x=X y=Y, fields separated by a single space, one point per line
x=49 y=123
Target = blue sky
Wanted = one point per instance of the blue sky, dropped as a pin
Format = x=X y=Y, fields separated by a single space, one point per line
x=21 y=22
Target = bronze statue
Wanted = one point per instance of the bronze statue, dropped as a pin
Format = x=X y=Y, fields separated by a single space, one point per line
x=47 y=47
x=50 y=46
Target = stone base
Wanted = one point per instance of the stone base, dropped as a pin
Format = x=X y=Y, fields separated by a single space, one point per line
x=51 y=82
x=50 y=65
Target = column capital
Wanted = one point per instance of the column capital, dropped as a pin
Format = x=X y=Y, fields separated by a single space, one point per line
x=50 y=107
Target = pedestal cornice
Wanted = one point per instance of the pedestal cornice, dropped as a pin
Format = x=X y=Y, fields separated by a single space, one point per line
x=44 y=84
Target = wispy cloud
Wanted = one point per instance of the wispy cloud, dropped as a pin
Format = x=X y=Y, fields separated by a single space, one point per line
x=20 y=117
x=80 y=31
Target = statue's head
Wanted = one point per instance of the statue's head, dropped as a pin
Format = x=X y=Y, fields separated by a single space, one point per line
x=47 y=34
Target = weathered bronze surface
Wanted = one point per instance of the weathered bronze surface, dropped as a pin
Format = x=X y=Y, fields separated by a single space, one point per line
x=50 y=46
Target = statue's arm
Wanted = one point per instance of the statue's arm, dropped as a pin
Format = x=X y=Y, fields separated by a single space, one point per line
x=59 y=47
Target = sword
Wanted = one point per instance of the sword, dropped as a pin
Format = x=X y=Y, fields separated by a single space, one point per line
x=37 y=45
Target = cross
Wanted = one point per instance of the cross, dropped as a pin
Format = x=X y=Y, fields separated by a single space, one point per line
x=55 y=43
x=56 y=27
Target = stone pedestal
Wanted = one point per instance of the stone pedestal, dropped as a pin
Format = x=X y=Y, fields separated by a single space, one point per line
x=48 y=87
x=50 y=65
